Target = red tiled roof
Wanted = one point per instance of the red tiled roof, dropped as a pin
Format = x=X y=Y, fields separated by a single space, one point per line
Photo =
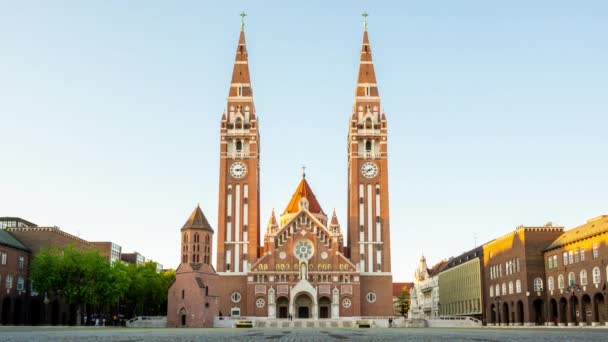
x=197 y=220
x=303 y=190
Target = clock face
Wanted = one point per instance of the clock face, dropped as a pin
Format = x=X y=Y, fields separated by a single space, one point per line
x=369 y=170
x=238 y=170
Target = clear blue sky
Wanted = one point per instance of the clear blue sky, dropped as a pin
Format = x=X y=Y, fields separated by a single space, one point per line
x=497 y=112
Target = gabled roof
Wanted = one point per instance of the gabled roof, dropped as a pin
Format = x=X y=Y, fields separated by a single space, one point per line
x=197 y=220
x=438 y=267
x=593 y=227
x=9 y=240
x=303 y=190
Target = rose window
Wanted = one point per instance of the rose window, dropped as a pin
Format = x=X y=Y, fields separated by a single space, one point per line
x=260 y=303
x=346 y=303
x=303 y=249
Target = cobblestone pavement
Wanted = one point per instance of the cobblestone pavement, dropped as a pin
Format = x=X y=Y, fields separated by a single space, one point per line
x=250 y=335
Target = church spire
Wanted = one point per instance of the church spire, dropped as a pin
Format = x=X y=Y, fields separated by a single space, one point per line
x=240 y=96
x=367 y=97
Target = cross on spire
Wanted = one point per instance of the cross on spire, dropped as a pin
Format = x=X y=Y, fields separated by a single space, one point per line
x=243 y=15
x=303 y=171
x=364 y=15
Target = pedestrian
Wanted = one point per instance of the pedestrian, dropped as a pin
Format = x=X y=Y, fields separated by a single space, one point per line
x=390 y=322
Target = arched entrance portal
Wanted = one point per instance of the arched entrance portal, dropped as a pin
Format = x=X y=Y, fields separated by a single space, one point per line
x=539 y=317
x=282 y=307
x=599 y=308
x=553 y=311
x=6 y=311
x=505 y=314
x=574 y=310
x=182 y=317
x=563 y=308
x=586 y=310
x=303 y=306
x=324 y=308
x=492 y=314
x=520 y=312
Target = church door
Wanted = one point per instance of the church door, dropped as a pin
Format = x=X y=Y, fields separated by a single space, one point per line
x=303 y=312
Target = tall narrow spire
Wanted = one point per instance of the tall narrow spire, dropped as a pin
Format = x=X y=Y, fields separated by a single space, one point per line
x=240 y=96
x=367 y=97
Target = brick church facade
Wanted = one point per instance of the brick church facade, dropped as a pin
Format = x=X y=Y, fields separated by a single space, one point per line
x=302 y=267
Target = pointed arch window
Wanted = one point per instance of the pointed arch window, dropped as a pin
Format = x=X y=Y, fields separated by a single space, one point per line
x=368 y=123
x=560 y=282
x=239 y=144
x=238 y=123
x=571 y=279
x=368 y=145
x=538 y=284
x=518 y=286
x=584 y=277
x=551 y=284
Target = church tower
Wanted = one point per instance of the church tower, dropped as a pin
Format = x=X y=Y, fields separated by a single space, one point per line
x=239 y=194
x=368 y=207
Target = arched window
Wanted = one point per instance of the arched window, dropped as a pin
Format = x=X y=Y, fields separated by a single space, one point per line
x=518 y=286
x=538 y=284
x=584 y=277
x=510 y=287
x=491 y=291
x=368 y=123
x=239 y=146
x=597 y=277
x=497 y=290
x=571 y=279
x=368 y=146
x=560 y=281
x=551 y=284
x=239 y=123
x=504 y=289
x=185 y=238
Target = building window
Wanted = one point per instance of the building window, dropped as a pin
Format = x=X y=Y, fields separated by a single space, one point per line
x=596 y=251
x=597 y=277
x=504 y=289
x=497 y=290
x=20 y=284
x=4 y=257
x=571 y=279
x=538 y=284
x=260 y=303
x=500 y=270
x=550 y=262
x=551 y=284
x=584 y=277
x=491 y=291
x=565 y=258
x=371 y=297
x=517 y=264
x=510 y=287
x=346 y=303
x=21 y=262
x=235 y=297
x=570 y=257
x=9 y=281
x=555 y=261
x=582 y=254
x=183 y=294
x=560 y=281
x=576 y=255
x=518 y=286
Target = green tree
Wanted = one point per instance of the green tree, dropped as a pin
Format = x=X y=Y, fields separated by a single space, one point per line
x=76 y=275
x=404 y=301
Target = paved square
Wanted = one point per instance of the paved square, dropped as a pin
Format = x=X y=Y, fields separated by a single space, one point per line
x=249 y=335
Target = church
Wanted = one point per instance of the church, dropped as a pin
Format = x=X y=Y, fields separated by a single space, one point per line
x=303 y=267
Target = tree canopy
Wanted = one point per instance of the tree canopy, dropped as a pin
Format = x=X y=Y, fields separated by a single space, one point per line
x=85 y=278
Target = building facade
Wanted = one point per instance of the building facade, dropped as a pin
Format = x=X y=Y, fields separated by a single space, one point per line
x=302 y=267
x=460 y=285
x=425 y=292
x=576 y=267
x=514 y=269
x=14 y=267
